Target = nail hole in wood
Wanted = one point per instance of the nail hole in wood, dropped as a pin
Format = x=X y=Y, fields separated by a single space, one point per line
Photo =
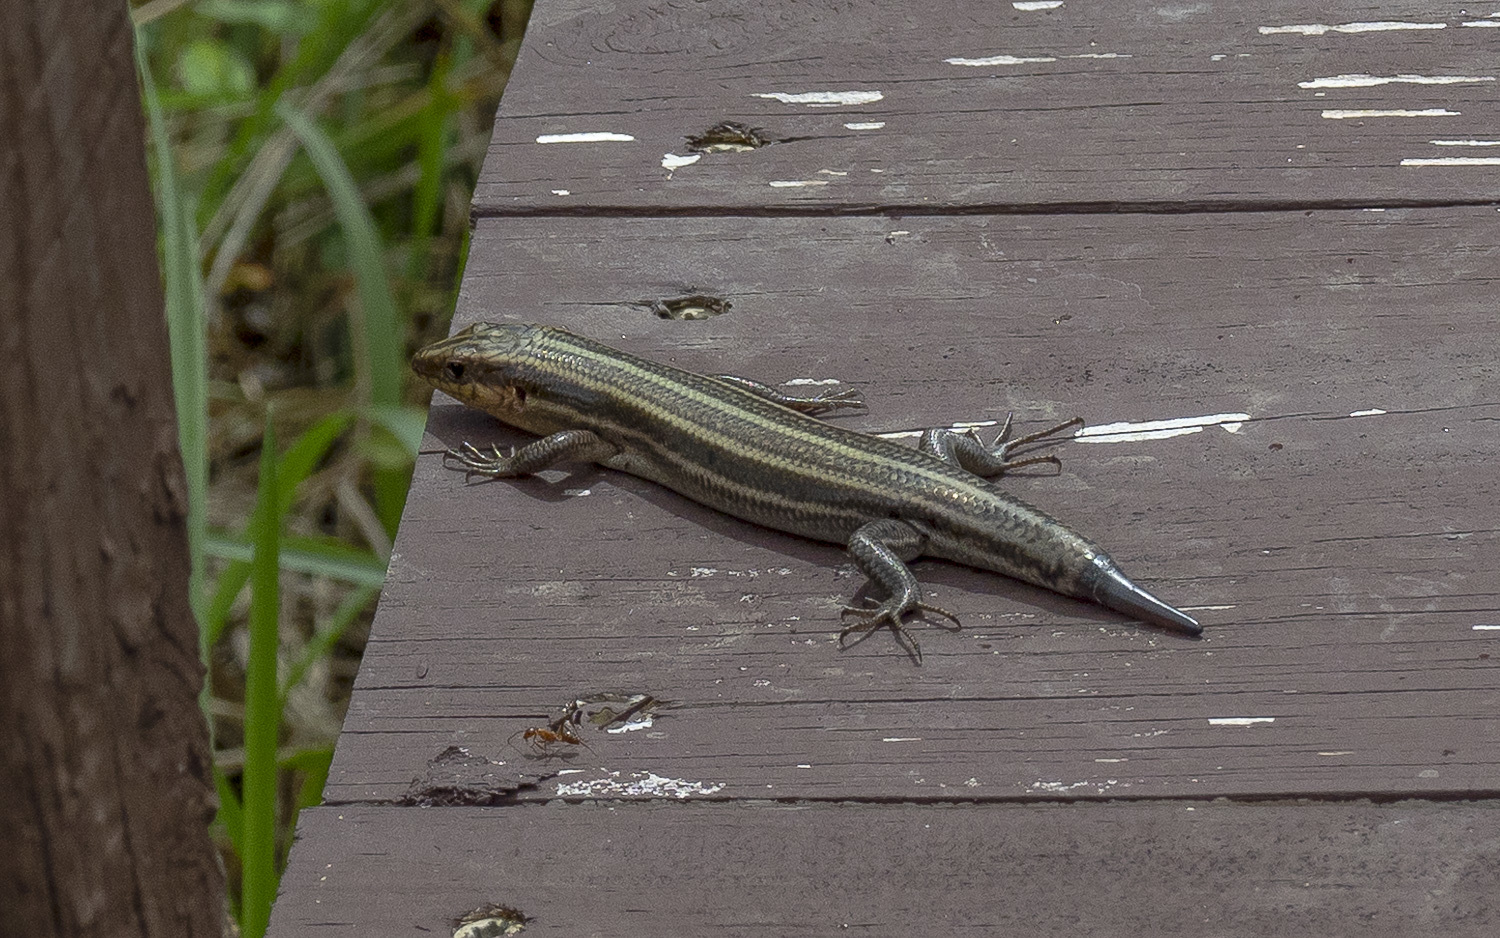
x=691 y=308
x=728 y=137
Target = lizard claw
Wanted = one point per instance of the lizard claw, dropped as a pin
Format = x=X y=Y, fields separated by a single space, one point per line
x=890 y=613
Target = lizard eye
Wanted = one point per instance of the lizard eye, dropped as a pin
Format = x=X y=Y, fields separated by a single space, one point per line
x=454 y=371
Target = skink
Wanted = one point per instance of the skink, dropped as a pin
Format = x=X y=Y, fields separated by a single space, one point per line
x=752 y=452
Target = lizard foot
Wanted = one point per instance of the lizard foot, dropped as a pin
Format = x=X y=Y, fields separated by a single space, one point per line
x=890 y=613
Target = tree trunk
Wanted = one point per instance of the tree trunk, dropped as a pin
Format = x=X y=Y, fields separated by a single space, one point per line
x=105 y=784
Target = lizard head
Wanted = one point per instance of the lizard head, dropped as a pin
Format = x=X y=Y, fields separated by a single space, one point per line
x=481 y=366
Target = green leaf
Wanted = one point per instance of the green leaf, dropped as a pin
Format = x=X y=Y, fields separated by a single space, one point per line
x=262 y=702
x=378 y=332
x=183 y=280
x=277 y=16
x=312 y=556
x=213 y=69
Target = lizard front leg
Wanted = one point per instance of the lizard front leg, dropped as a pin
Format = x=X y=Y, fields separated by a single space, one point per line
x=563 y=446
x=965 y=450
x=881 y=549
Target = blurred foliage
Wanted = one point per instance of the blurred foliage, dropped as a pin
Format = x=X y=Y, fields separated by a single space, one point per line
x=313 y=163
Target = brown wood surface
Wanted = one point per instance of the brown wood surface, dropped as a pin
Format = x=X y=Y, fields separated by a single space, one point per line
x=774 y=869
x=1129 y=102
x=1341 y=565
x=1024 y=237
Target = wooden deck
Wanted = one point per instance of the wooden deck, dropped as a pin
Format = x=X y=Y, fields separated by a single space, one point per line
x=1222 y=233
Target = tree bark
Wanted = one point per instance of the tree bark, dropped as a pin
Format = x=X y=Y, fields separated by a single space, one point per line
x=105 y=783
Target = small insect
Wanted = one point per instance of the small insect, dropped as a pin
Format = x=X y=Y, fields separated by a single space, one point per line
x=560 y=732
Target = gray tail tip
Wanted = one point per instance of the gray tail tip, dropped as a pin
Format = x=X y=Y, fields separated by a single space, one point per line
x=1115 y=591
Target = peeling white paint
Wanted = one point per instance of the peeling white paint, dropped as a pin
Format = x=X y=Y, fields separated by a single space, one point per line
x=1339 y=115
x=819 y=381
x=1207 y=608
x=1372 y=412
x=823 y=98
x=578 y=493
x=864 y=125
x=1465 y=143
x=1487 y=628
x=1370 y=81
x=592 y=137
x=1239 y=721
x=1337 y=752
x=1031 y=59
x=1028 y=6
x=902 y=739
x=637 y=784
x=1001 y=60
x=1452 y=161
x=637 y=722
x=671 y=161
x=1158 y=429
x=1483 y=24
x=562 y=192
x=1318 y=29
x=796 y=183
x=703 y=571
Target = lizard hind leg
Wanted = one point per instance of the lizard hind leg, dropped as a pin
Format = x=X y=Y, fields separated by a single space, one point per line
x=967 y=452
x=881 y=549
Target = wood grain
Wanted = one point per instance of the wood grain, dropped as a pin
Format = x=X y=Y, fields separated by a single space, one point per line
x=754 y=869
x=1341 y=563
x=1129 y=104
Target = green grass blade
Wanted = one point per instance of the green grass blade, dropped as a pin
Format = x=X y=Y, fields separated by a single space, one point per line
x=308 y=555
x=262 y=703
x=184 y=299
x=329 y=633
x=378 y=333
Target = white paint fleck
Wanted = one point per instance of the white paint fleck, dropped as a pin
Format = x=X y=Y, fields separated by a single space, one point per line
x=640 y=721
x=1465 y=143
x=1370 y=81
x=902 y=739
x=593 y=137
x=1337 y=752
x=833 y=172
x=1111 y=760
x=704 y=571
x=1318 y=29
x=1452 y=161
x=989 y=60
x=578 y=493
x=1487 y=628
x=796 y=183
x=648 y=784
x=1219 y=57
x=1000 y=60
x=671 y=161
x=1239 y=721
x=818 y=381
x=1028 y=6
x=1428 y=773
x=1372 y=412
x=864 y=125
x=1207 y=608
x=1483 y=24
x=1158 y=429
x=966 y=424
x=823 y=98
x=1338 y=115
x=804 y=765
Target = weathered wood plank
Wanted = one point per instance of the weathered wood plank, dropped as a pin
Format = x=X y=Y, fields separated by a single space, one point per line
x=1404 y=869
x=977 y=104
x=1343 y=563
